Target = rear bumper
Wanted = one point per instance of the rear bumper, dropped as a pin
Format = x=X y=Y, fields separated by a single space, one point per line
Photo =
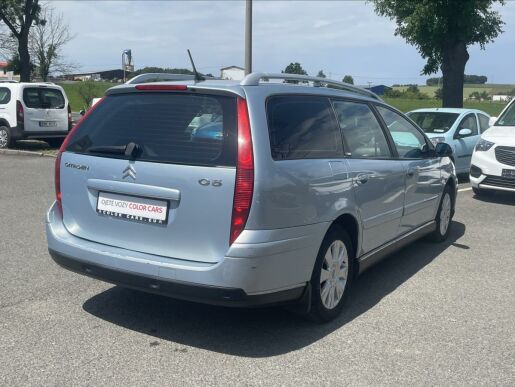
x=185 y=291
x=19 y=134
x=264 y=268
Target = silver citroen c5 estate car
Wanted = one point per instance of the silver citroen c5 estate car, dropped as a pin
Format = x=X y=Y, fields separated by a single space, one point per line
x=277 y=189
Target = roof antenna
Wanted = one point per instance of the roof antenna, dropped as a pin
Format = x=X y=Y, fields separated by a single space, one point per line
x=198 y=77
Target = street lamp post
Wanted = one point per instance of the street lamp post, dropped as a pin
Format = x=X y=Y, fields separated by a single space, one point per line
x=248 y=37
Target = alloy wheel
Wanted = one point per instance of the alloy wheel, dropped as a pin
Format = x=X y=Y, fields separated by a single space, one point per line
x=445 y=214
x=333 y=278
x=4 y=138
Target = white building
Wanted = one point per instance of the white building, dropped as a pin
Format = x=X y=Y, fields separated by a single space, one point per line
x=502 y=98
x=234 y=73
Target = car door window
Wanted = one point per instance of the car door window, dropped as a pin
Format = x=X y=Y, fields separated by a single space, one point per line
x=469 y=122
x=5 y=95
x=363 y=135
x=409 y=141
x=303 y=127
x=484 y=122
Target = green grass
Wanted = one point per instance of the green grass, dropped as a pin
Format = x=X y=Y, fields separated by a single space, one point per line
x=467 y=89
x=72 y=91
x=406 y=105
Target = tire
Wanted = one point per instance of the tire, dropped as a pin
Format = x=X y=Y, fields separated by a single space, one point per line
x=54 y=142
x=6 y=140
x=330 y=284
x=443 y=217
x=482 y=192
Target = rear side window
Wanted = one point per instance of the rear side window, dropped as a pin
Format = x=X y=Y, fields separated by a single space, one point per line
x=179 y=128
x=43 y=98
x=303 y=127
x=362 y=132
x=5 y=95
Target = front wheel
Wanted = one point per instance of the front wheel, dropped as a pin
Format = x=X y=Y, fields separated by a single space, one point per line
x=443 y=217
x=332 y=275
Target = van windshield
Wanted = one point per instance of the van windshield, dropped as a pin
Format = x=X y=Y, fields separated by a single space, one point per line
x=180 y=128
x=43 y=98
x=434 y=122
x=508 y=118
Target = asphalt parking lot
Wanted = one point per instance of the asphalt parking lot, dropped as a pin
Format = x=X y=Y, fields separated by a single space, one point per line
x=431 y=314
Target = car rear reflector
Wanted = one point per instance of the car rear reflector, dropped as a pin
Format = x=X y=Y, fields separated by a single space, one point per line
x=244 y=187
x=161 y=87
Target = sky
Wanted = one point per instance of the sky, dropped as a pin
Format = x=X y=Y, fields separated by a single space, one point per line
x=338 y=37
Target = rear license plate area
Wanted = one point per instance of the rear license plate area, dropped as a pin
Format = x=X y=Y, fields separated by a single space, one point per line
x=47 y=124
x=133 y=208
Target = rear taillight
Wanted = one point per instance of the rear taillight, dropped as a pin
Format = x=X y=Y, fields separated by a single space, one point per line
x=244 y=186
x=69 y=118
x=58 y=195
x=20 y=121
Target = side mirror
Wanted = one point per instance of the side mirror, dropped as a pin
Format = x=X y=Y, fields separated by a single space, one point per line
x=82 y=112
x=443 y=149
x=464 y=132
x=492 y=120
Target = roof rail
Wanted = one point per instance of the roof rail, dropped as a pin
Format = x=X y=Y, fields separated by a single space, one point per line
x=253 y=79
x=158 y=77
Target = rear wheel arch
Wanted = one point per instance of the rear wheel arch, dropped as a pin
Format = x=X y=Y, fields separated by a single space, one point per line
x=4 y=122
x=350 y=224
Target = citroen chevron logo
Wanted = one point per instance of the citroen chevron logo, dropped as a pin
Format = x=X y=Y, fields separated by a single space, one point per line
x=129 y=171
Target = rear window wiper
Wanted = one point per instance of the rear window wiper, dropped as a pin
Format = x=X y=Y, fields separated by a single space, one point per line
x=130 y=150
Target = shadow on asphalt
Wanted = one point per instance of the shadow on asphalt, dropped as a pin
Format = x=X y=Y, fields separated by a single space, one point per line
x=497 y=197
x=258 y=332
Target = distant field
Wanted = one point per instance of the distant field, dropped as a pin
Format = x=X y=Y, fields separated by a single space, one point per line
x=405 y=105
x=467 y=90
x=76 y=101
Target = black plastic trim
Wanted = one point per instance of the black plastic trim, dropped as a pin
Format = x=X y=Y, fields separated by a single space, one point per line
x=214 y=295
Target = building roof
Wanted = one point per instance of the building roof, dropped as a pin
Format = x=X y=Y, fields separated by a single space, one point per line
x=3 y=64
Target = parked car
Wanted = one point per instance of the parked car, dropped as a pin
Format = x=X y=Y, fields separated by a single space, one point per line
x=460 y=128
x=305 y=188
x=493 y=161
x=33 y=111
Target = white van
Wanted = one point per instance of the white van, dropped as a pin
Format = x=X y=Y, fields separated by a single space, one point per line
x=33 y=111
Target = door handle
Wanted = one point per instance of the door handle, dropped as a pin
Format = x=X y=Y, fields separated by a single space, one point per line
x=411 y=172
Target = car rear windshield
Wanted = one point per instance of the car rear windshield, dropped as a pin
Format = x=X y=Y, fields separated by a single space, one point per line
x=179 y=128
x=43 y=98
x=508 y=118
x=434 y=122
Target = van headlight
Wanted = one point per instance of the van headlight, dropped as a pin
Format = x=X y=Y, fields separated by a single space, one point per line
x=483 y=145
x=437 y=140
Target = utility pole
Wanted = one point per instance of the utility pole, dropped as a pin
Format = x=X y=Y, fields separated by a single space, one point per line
x=248 y=37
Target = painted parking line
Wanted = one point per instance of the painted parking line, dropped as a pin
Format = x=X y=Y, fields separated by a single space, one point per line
x=465 y=189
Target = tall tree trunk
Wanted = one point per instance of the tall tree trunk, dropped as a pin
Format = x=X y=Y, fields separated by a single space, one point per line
x=23 y=52
x=453 y=70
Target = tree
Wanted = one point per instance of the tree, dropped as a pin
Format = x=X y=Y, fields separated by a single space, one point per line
x=438 y=93
x=348 y=79
x=19 y=16
x=46 y=42
x=87 y=91
x=442 y=31
x=321 y=74
x=295 y=68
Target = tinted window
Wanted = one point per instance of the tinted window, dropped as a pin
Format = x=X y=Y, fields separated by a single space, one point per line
x=172 y=128
x=5 y=95
x=469 y=122
x=508 y=118
x=410 y=143
x=303 y=127
x=434 y=122
x=484 y=122
x=43 y=98
x=362 y=133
